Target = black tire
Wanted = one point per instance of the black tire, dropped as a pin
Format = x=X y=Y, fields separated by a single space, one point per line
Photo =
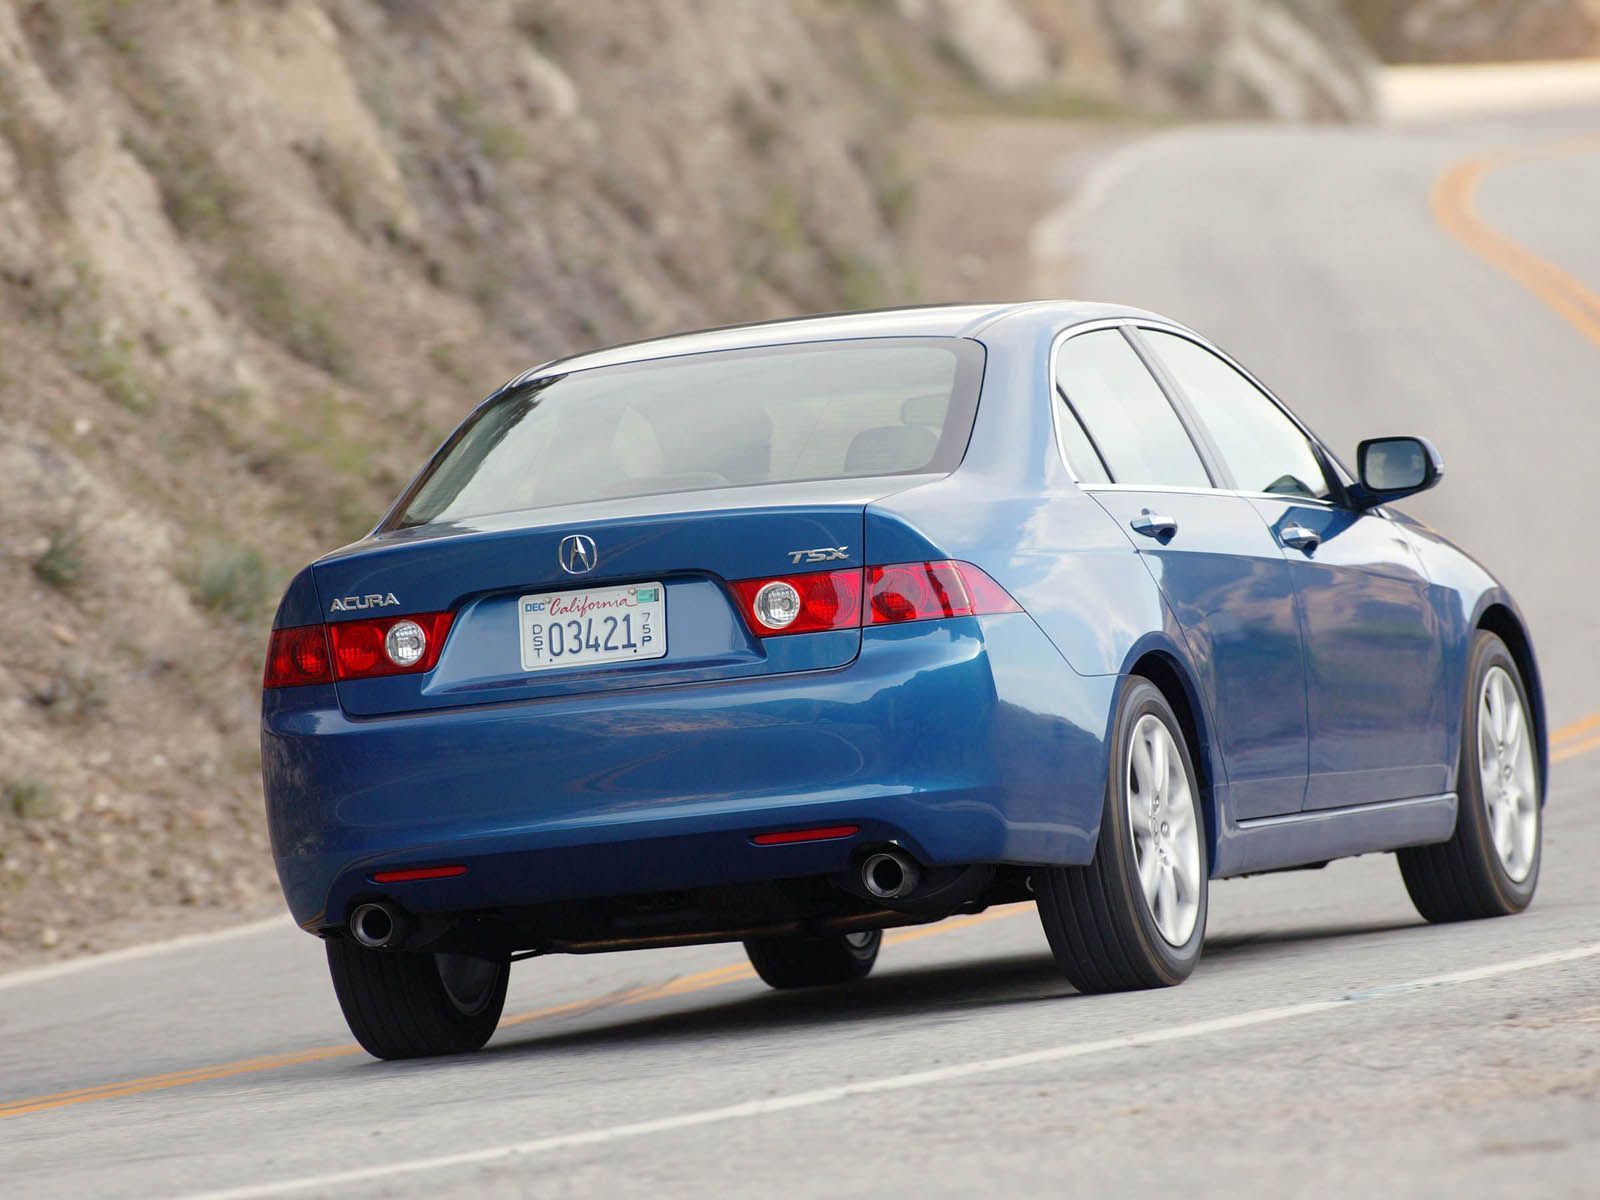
x=1465 y=879
x=400 y=1005
x=1102 y=930
x=815 y=962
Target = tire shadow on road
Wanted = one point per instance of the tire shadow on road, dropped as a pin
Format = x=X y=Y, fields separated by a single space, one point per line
x=1234 y=946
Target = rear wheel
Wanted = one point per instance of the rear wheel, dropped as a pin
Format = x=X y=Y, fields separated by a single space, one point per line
x=815 y=962
x=1490 y=865
x=403 y=1005
x=1136 y=916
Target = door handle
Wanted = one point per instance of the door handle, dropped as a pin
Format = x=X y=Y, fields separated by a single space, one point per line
x=1299 y=537
x=1154 y=525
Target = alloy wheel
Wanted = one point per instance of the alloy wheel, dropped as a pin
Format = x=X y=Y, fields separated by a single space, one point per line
x=1506 y=772
x=1166 y=829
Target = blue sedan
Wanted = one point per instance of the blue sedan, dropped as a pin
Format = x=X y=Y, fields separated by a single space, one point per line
x=785 y=634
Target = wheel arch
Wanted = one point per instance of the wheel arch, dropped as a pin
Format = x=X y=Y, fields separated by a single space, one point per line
x=1503 y=621
x=1172 y=677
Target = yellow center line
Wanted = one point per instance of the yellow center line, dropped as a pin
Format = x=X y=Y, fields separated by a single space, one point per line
x=1563 y=753
x=681 y=986
x=1455 y=208
x=1568 y=733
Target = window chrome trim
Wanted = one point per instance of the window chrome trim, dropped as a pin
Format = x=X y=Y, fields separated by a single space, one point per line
x=1164 y=326
x=1317 y=443
x=1054 y=390
x=1194 y=491
x=1196 y=439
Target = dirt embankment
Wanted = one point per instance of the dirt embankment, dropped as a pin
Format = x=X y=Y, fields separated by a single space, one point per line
x=257 y=258
x=1442 y=31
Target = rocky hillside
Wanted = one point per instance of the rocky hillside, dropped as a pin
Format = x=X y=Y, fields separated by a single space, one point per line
x=1478 y=30
x=257 y=257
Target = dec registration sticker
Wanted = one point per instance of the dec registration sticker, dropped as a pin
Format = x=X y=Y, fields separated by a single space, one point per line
x=594 y=626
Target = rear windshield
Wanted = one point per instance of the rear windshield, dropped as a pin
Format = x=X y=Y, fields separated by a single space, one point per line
x=778 y=414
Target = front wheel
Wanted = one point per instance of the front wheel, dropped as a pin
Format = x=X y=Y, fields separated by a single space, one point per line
x=402 y=1005
x=1490 y=865
x=815 y=962
x=1135 y=917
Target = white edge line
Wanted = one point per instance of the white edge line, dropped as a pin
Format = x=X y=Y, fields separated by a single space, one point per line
x=73 y=966
x=890 y=1083
x=1052 y=237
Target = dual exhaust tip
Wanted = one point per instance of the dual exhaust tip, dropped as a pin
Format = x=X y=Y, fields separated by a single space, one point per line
x=889 y=875
x=375 y=925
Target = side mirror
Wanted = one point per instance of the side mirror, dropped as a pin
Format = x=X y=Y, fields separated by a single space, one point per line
x=1394 y=467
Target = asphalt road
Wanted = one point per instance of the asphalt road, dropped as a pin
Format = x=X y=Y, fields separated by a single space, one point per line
x=1328 y=1042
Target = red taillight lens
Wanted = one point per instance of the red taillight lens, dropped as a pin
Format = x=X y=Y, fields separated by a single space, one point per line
x=364 y=649
x=297 y=656
x=927 y=591
x=826 y=600
x=355 y=649
x=895 y=593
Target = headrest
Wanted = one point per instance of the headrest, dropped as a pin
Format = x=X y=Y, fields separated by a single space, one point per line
x=890 y=449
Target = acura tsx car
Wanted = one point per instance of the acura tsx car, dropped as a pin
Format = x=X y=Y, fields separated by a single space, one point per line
x=789 y=633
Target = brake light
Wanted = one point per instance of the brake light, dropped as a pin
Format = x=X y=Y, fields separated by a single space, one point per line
x=388 y=645
x=930 y=590
x=806 y=603
x=355 y=649
x=298 y=656
x=895 y=593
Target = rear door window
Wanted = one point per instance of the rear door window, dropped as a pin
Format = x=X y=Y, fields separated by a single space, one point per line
x=777 y=414
x=1123 y=410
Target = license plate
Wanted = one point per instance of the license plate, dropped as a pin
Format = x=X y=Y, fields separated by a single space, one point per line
x=593 y=626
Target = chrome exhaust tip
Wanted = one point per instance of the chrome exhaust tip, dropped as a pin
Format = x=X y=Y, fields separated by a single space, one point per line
x=889 y=875
x=374 y=925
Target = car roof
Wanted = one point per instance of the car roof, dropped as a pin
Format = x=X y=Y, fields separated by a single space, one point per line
x=940 y=320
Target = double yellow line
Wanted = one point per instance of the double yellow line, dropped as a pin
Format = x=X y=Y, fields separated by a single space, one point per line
x=1455 y=207
x=1578 y=738
x=683 y=986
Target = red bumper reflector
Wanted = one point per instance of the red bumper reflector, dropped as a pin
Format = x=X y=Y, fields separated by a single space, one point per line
x=411 y=873
x=789 y=836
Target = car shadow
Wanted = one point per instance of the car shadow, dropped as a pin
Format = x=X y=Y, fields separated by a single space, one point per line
x=1240 y=945
x=950 y=990
x=945 y=991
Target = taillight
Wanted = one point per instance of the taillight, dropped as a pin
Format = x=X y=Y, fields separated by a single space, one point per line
x=930 y=590
x=298 y=656
x=898 y=592
x=388 y=645
x=802 y=603
x=355 y=649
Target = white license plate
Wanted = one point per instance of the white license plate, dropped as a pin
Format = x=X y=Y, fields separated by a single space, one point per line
x=593 y=626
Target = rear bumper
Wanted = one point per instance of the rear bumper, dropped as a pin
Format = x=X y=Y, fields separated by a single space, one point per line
x=966 y=740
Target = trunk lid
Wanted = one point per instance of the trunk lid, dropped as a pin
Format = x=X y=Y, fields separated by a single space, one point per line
x=692 y=544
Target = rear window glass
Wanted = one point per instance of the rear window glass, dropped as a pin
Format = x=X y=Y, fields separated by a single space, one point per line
x=780 y=414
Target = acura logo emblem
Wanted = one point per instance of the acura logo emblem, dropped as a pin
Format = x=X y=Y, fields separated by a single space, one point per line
x=577 y=554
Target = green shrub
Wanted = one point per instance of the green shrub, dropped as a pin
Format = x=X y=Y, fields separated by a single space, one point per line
x=73 y=693
x=26 y=798
x=229 y=579
x=108 y=364
x=61 y=564
x=304 y=328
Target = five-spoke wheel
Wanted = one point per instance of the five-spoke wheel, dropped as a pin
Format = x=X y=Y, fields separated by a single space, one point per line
x=1490 y=866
